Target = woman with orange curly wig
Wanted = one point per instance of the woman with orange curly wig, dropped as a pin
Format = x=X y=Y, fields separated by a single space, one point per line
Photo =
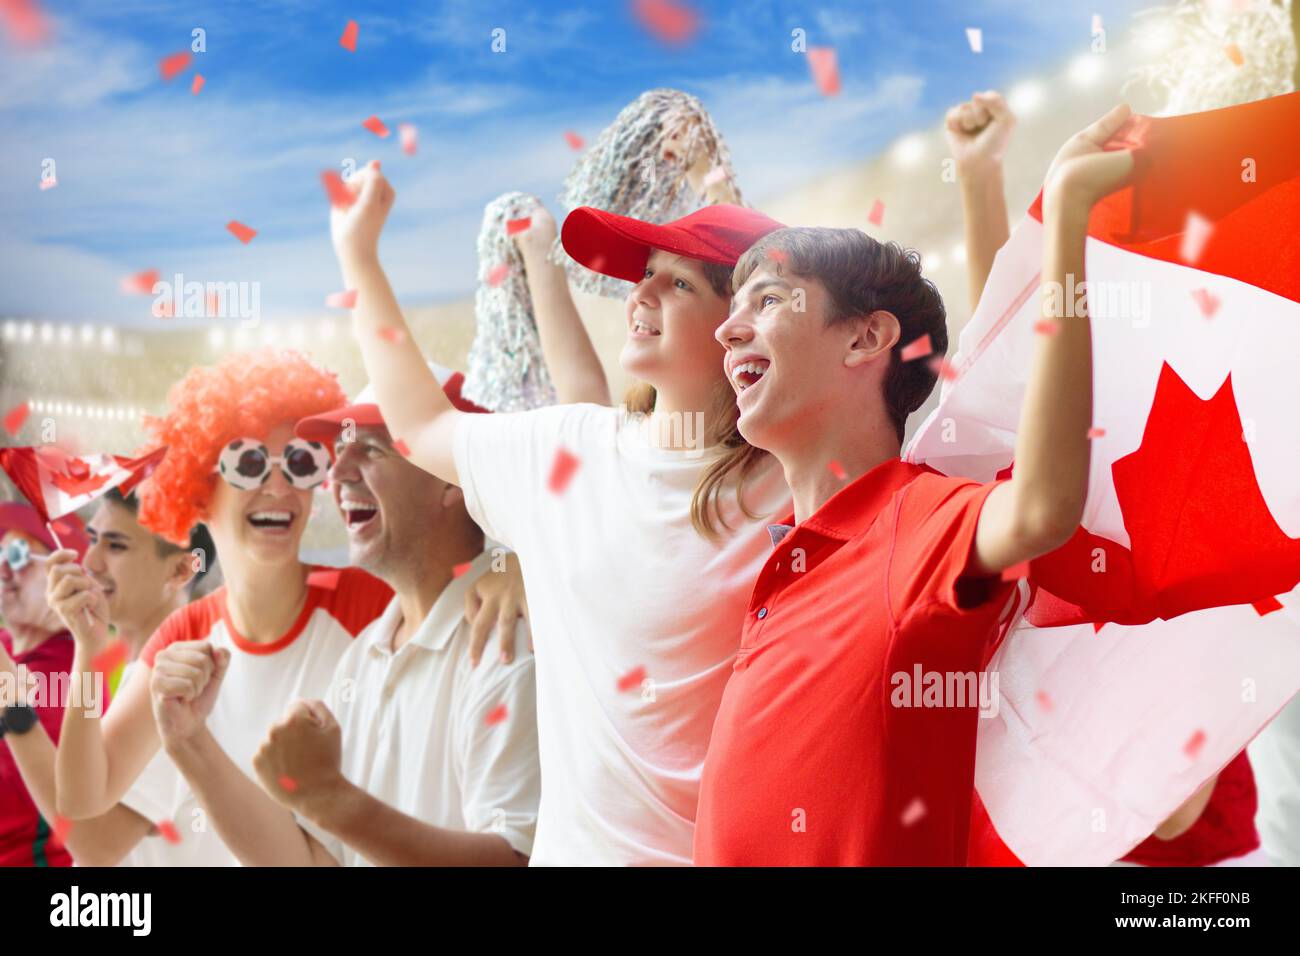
x=271 y=634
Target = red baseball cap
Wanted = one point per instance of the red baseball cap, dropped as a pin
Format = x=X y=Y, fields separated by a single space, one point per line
x=619 y=246
x=20 y=516
x=364 y=412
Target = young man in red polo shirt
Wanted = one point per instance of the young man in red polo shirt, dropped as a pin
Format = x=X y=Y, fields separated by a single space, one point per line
x=846 y=734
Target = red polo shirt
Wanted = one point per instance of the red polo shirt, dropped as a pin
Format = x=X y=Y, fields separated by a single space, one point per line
x=846 y=734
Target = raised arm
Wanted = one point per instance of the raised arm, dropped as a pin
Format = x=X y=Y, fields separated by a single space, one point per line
x=306 y=748
x=978 y=132
x=570 y=357
x=99 y=757
x=186 y=681
x=414 y=407
x=1039 y=508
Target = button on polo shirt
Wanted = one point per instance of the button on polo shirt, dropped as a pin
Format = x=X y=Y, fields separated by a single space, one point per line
x=833 y=744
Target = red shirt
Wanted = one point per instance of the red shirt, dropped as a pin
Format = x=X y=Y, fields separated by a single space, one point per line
x=824 y=751
x=1225 y=828
x=25 y=836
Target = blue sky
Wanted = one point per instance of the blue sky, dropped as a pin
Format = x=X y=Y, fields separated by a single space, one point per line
x=149 y=174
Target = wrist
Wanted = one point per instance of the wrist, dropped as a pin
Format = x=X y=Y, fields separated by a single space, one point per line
x=979 y=170
x=188 y=749
x=357 y=264
x=330 y=804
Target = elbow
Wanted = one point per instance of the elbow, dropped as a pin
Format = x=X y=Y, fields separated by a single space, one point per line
x=74 y=809
x=1045 y=526
x=94 y=855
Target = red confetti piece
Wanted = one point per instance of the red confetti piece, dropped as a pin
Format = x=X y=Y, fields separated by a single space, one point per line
x=562 y=469
x=325 y=578
x=349 y=39
x=172 y=66
x=390 y=334
x=825 y=71
x=241 y=232
x=376 y=126
x=496 y=715
x=141 y=283
x=167 y=830
x=1096 y=433
x=673 y=23
x=1047 y=326
x=49 y=183
x=1194 y=744
x=287 y=783
x=1207 y=301
x=1234 y=54
x=59 y=832
x=919 y=348
x=1097 y=626
x=631 y=680
x=111 y=657
x=1044 y=701
x=913 y=813
x=402 y=448
x=341 y=197
x=877 y=214
x=573 y=139
x=410 y=137
x=497 y=274
x=778 y=255
x=1267 y=606
x=197 y=85
x=943 y=369
x=15 y=417
x=341 y=300
x=26 y=21
x=838 y=470
x=459 y=569
x=1196 y=233
x=1016 y=572
x=516 y=226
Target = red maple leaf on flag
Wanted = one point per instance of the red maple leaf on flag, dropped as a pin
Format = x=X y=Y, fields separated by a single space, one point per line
x=1201 y=534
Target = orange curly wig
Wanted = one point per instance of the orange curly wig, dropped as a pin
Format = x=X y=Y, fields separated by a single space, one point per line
x=246 y=394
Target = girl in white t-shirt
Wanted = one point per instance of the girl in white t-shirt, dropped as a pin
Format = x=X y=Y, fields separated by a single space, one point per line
x=232 y=462
x=639 y=532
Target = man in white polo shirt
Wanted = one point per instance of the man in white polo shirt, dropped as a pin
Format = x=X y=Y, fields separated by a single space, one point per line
x=416 y=757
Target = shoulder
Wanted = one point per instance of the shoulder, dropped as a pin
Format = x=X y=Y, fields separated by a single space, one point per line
x=356 y=599
x=193 y=622
x=493 y=682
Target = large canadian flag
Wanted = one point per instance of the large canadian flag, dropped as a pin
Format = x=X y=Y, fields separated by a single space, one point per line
x=1148 y=651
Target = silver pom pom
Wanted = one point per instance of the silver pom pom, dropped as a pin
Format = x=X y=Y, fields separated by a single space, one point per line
x=506 y=371
x=1195 y=72
x=639 y=167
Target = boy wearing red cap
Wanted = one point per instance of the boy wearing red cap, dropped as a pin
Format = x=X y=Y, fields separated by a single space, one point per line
x=615 y=519
x=33 y=644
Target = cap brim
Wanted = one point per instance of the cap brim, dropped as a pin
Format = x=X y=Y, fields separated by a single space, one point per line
x=619 y=246
x=326 y=426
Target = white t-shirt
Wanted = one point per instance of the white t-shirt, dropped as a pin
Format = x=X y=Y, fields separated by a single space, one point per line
x=158 y=794
x=452 y=745
x=263 y=679
x=622 y=593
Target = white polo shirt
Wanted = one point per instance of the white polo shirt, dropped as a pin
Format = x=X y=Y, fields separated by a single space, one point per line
x=426 y=733
x=636 y=618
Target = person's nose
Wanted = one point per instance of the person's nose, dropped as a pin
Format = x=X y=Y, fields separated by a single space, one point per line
x=94 y=560
x=345 y=468
x=736 y=329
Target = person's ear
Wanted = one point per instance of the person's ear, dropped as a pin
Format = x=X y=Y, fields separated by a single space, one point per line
x=874 y=335
x=181 y=571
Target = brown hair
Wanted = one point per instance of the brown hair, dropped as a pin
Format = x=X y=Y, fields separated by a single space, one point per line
x=738 y=460
x=861 y=276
